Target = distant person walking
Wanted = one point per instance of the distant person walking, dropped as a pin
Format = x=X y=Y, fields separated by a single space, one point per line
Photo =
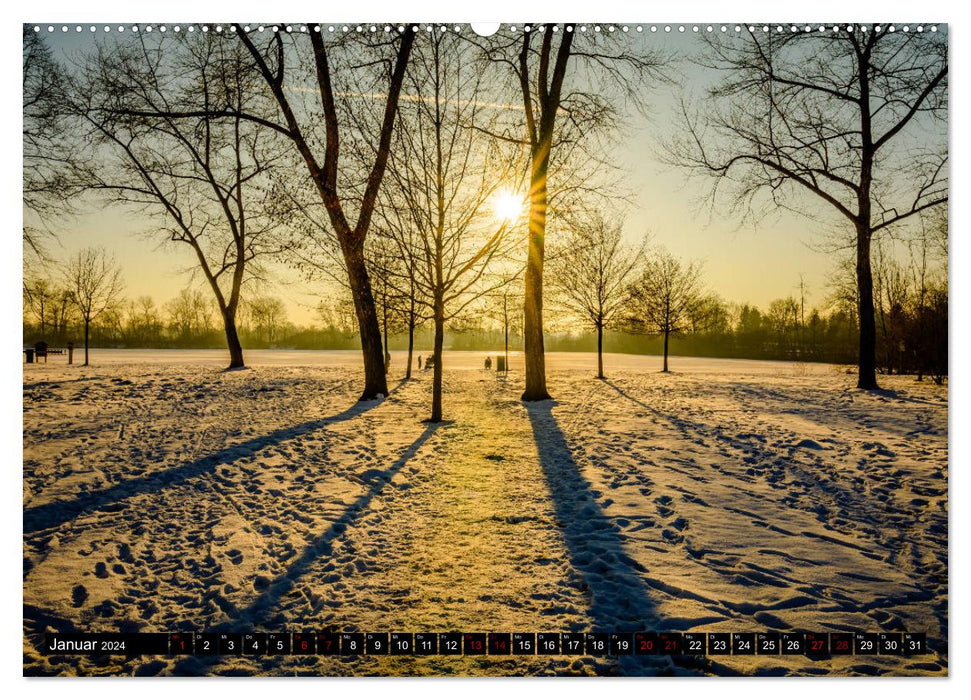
x=419 y=362
x=488 y=362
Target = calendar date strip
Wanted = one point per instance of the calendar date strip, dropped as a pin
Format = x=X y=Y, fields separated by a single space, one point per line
x=811 y=644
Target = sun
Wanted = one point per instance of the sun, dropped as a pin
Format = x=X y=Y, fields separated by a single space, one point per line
x=507 y=206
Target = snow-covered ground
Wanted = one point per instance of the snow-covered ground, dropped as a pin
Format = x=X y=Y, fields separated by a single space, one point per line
x=460 y=359
x=726 y=496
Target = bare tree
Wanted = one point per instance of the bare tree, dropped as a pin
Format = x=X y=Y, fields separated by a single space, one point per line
x=206 y=180
x=95 y=283
x=39 y=299
x=392 y=267
x=853 y=118
x=449 y=197
x=570 y=89
x=891 y=291
x=143 y=323
x=320 y=152
x=270 y=62
x=592 y=269
x=412 y=313
x=783 y=320
x=928 y=264
x=267 y=317
x=505 y=306
x=541 y=104
x=399 y=265
x=665 y=299
x=189 y=314
x=50 y=154
x=338 y=315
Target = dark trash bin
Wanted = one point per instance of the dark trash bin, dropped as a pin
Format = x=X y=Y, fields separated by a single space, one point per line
x=29 y=352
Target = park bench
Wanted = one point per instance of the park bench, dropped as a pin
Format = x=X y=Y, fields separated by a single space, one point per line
x=42 y=349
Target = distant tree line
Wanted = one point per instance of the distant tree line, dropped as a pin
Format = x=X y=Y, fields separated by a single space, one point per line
x=911 y=311
x=190 y=320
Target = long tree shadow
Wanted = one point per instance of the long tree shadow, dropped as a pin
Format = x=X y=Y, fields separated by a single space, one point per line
x=258 y=612
x=620 y=600
x=904 y=398
x=57 y=382
x=59 y=512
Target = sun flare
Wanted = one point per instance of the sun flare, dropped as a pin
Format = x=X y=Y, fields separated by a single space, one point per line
x=507 y=206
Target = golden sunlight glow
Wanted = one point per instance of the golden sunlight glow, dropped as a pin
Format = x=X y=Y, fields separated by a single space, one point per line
x=507 y=206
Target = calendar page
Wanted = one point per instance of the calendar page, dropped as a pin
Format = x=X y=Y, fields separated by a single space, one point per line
x=514 y=349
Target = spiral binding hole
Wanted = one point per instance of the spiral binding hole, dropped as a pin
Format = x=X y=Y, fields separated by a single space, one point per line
x=608 y=29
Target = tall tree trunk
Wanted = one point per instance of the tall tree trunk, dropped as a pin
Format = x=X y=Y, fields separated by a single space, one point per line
x=87 y=328
x=325 y=177
x=439 y=314
x=868 y=330
x=505 y=326
x=232 y=340
x=864 y=275
x=666 y=334
x=600 y=351
x=411 y=341
x=411 y=329
x=375 y=381
x=920 y=346
x=384 y=329
x=541 y=139
x=534 y=350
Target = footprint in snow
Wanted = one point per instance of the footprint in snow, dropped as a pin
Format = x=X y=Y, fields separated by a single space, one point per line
x=79 y=595
x=235 y=556
x=808 y=444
